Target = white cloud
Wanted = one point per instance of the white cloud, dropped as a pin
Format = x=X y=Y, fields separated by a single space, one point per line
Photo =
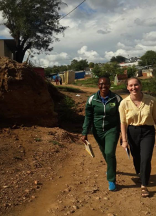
x=91 y=56
x=4 y=32
x=151 y=36
x=109 y=55
x=50 y=60
x=1 y=18
x=83 y=51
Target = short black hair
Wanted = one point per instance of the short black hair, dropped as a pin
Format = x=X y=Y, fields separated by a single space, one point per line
x=105 y=77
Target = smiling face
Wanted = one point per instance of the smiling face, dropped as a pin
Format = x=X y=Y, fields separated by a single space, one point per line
x=133 y=86
x=104 y=86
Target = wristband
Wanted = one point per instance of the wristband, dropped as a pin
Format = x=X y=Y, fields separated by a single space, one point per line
x=124 y=141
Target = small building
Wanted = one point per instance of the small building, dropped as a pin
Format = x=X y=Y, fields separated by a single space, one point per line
x=129 y=64
x=7 y=48
x=147 y=73
x=69 y=77
x=120 y=78
x=79 y=74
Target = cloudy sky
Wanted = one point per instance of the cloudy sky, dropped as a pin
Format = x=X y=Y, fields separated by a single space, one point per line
x=98 y=30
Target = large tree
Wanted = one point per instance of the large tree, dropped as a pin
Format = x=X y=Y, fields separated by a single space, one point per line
x=79 y=65
x=33 y=24
x=131 y=71
x=107 y=69
x=91 y=65
x=118 y=59
x=149 y=58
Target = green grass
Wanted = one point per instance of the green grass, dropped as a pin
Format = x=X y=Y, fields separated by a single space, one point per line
x=118 y=87
x=66 y=110
x=91 y=82
x=38 y=139
x=69 y=102
x=149 y=86
x=68 y=89
x=56 y=143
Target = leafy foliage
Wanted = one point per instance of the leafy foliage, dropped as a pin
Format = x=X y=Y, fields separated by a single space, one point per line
x=48 y=71
x=75 y=65
x=93 y=82
x=32 y=23
x=149 y=86
x=149 y=58
x=108 y=69
x=55 y=69
x=131 y=71
x=67 y=109
x=96 y=70
x=79 y=65
x=69 y=89
x=118 y=59
x=90 y=82
x=91 y=65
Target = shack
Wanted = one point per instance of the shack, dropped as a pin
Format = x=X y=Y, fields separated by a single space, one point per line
x=120 y=78
x=79 y=74
x=7 y=48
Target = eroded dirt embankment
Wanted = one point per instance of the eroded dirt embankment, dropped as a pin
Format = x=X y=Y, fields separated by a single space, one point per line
x=24 y=95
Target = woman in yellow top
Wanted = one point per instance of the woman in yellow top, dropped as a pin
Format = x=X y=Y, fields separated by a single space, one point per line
x=138 y=116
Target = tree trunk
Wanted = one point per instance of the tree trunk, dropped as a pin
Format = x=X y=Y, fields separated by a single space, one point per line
x=19 y=55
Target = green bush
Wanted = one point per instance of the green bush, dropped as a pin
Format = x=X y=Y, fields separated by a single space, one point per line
x=149 y=86
x=68 y=89
x=66 y=109
x=122 y=86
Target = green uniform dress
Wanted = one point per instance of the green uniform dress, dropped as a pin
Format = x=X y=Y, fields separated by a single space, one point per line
x=103 y=118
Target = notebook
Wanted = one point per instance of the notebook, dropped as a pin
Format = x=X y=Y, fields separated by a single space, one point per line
x=128 y=152
x=89 y=149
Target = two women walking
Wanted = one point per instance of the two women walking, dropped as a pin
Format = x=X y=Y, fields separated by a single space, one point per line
x=106 y=113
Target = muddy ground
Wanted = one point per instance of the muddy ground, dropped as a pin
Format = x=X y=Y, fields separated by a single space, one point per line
x=47 y=172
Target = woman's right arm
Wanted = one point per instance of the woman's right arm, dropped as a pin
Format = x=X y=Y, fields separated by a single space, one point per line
x=124 y=135
x=123 y=124
x=87 y=121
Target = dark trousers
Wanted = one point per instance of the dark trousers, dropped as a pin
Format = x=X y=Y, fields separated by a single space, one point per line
x=107 y=142
x=141 y=140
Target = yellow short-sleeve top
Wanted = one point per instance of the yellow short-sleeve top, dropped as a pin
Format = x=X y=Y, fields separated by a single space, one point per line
x=145 y=114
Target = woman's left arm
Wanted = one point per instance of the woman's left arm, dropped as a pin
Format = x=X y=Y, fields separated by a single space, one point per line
x=124 y=135
x=154 y=111
x=123 y=124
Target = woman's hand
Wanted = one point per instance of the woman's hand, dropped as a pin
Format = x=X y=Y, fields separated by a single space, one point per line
x=124 y=144
x=84 y=138
x=123 y=140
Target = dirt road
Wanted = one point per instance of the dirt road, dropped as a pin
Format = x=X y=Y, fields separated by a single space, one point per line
x=80 y=188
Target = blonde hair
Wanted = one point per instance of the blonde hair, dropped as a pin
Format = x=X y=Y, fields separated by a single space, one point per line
x=133 y=78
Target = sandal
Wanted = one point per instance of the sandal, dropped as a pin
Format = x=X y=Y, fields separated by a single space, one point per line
x=144 y=191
